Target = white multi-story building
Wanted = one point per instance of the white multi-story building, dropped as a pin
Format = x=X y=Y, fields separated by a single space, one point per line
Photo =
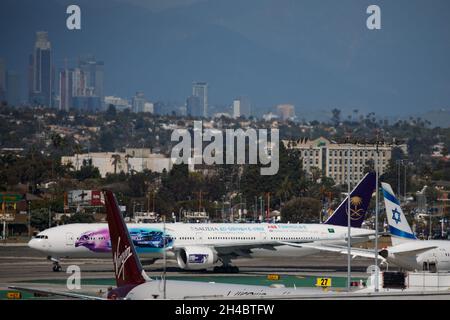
x=236 y=108
x=138 y=102
x=115 y=162
x=334 y=158
x=120 y=103
x=149 y=107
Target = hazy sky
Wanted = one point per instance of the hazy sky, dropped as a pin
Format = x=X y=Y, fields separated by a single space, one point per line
x=315 y=54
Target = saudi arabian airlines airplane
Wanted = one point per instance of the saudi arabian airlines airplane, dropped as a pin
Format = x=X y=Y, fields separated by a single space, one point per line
x=201 y=245
x=134 y=284
x=406 y=251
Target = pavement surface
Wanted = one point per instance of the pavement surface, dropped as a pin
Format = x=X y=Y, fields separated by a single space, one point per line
x=22 y=266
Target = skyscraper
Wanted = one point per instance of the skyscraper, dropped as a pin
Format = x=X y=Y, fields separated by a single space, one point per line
x=241 y=107
x=93 y=71
x=236 y=108
x=194 y=107
x=65 y=89
x=246 y=109
x=200 y=90
x=138 y=102
x=82 y=87
x=41 y=72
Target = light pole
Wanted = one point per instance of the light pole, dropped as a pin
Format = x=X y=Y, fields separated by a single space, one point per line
x=255 y=214
x=223 y=208
x=29 y=218
x=398 y=177
x=404 y=189
x=164 y=255
x=376 y=213
x=349 y=261
x=431 y=230
x=49 y=217
x=261 y=201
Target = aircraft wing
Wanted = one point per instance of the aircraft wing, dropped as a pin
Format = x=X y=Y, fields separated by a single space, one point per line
x=238 y=249
x=355 y=252
x=57 y=293
x=411 y=252
x=243 y=250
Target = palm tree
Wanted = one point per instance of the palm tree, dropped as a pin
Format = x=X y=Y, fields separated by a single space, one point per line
x=285 y=190
x=115 y=161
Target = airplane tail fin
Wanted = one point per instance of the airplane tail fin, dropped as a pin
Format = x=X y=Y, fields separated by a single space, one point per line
x=127 y=267
x=398 y=225
x=359 y=202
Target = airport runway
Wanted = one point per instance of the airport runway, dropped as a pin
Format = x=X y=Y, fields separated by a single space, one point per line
x=21 y=266
x=22 y=263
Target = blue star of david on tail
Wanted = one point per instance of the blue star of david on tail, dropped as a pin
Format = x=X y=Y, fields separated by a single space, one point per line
x=396 y=216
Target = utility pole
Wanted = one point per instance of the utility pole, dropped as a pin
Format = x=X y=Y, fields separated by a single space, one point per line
x=164 y=255
x=431 y=230
x=398 y=177
x=154 y=194
x=349 y=250
x=29 y=218
x=255 y=214
x=404 y=190
x=199 y=193
x=377 y=168
x=223 y=208
x=261 y=206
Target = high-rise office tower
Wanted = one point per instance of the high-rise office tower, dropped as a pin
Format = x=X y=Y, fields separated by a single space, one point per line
x=41 y=72
x=65 y=89
x=194 y=107
x=241 y=107
x=82 y=87
x=138 y=102
x=236 y=108
x=93 y=71
x=246 y=109
x=200 y=90
x=2 y=80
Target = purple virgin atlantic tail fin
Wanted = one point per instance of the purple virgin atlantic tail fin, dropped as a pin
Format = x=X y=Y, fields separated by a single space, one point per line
x=127 y=267
x=359 y=202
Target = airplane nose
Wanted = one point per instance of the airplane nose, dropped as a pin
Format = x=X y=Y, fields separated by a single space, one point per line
x=33 y=244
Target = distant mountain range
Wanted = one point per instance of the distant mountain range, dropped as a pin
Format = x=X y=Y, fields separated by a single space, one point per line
x=316 y=55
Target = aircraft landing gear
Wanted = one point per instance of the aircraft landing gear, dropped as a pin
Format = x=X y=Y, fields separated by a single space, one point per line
x=56 y=265
x=226 y=267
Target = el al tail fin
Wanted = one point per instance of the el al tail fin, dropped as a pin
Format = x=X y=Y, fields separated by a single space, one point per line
x=398 y=225
x=127 y=267
x=359 y=202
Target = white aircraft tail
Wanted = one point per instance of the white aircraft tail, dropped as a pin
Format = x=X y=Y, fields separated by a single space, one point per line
x=398 y=225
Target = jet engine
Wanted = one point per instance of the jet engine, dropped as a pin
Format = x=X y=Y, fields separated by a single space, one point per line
x=196 y=257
